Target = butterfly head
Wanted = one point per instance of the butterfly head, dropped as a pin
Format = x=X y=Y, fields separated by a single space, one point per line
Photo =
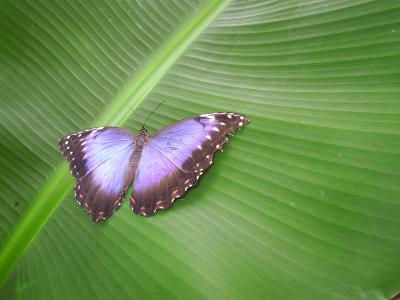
x=143 y=132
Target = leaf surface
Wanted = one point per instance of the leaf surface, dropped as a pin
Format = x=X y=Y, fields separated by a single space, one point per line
x=304 y=201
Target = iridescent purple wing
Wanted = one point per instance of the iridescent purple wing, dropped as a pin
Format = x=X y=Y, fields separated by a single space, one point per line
x=101 y=161
x=174 y=158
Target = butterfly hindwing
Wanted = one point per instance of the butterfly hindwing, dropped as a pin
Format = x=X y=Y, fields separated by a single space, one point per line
x=157 y=183
x=174 y=158
x=101 y=161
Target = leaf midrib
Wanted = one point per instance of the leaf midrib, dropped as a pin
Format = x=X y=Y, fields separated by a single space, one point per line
x=125 y=102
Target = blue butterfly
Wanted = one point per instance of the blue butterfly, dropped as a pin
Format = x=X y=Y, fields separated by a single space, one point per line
x=104 y=161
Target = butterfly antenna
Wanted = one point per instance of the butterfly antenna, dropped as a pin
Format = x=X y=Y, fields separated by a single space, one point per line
x=148 y=117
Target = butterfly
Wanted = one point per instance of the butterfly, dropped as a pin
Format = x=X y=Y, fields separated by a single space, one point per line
x=105 y=161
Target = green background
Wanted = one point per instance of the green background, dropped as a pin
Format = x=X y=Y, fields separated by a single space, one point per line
x=302 y=204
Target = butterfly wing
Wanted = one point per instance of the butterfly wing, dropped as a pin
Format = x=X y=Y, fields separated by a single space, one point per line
x=101 y=161
x=174 y=158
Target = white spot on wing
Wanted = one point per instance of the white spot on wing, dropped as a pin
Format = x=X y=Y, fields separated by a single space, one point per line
x=215 y=129
x=208 y=137
x=240 y=123
x=199 y=147
x=208 y=116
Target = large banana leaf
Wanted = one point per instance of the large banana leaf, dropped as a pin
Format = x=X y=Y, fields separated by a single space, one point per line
x=302 y=204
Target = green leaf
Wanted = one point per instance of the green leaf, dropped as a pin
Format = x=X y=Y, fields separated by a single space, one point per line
x=304 y=202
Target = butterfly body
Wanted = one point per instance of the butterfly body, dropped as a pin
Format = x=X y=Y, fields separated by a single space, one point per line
x=105 y=161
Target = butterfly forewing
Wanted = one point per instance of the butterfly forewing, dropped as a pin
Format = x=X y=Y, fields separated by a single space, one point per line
x=174 y=158
x=101 y=160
